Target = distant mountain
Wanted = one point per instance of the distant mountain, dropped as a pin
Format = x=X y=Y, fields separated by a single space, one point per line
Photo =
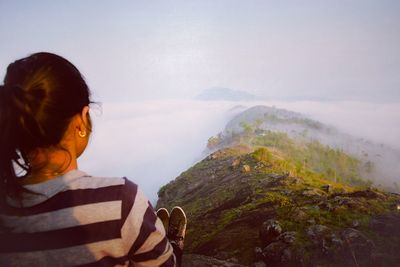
x=218 y=93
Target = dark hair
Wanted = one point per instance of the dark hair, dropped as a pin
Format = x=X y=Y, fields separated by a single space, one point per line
x=40 y=95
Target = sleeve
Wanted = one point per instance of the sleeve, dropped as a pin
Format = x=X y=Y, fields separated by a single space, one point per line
x=143 y=234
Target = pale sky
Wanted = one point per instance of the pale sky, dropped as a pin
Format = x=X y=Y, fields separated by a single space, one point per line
x=149 y=53
x=287 y=50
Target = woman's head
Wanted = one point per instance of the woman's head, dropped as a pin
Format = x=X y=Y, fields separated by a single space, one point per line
x=41 y=94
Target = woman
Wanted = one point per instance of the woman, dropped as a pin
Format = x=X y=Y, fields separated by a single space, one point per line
x=51 y=213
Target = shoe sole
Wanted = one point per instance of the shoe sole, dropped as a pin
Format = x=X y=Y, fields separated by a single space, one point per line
x=177 y=224
x=163 y=214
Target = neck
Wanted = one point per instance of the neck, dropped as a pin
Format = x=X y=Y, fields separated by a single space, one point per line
x=48 y=164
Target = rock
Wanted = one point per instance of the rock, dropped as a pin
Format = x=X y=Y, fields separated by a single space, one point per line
x=311 y=221
x=233 y=260
x=317 y=230
x=246 y=168
x=194 y=260
x=281 y=250
x=299 y=215
x=336 y=241
x=274 y=251
x=259 y=264
x=318 y=233
x=296 y=180
x=378 y=258
x=325 y=241
x=387 y=225
x=213 y=156
x=287 y=255
x=269 y=231
x=346 y=201
x=235 y=163
x=327 y=188
x=222 y=255
x=358 y=243
x=325 y=206
x=278 y=176
x=287 y=237
x=311 y=192
x=368 y=194
x=258 y=253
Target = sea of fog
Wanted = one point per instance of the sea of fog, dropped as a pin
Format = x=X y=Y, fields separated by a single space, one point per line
x=152 y=142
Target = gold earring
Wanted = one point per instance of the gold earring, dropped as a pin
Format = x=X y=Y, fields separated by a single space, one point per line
x=82 y=133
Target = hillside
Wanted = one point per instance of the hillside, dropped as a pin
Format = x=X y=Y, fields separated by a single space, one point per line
x=378 y=162
x=248 y=206
x=269 y=198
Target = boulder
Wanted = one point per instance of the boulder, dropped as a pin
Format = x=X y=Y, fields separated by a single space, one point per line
x=287 y=237
x=194 y=260
x=287 y=255
x=246 y=168
x=258 y=253
x=355 y=223
x=325 y=205
x=274 y=251
x=235 y=163
x=259 y=264
x=387 y=225
x=319 y=234
x=368 y=194
x=311 y=192
x=299 y=215
x=269 y=231
x=358 y=244
x=327 y=188
x=326 y=242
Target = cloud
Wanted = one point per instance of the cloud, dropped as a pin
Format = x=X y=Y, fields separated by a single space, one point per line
x=152 y=142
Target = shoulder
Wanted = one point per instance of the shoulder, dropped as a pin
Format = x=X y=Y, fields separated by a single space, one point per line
x=79 y=180
x=120 y=188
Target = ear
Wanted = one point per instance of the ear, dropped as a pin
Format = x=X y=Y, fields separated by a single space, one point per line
x=84 y=121
x=84 y=114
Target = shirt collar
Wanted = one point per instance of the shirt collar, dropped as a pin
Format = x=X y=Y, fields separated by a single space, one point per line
x=41 y=192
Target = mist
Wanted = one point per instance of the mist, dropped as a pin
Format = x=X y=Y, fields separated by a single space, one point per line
x=336 y=62
x=152 y=142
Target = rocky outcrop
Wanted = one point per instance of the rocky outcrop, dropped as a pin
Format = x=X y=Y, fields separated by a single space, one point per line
x=195 y=260
x=250 y=208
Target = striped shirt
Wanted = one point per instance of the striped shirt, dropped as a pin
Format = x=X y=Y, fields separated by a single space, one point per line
x=80 y=220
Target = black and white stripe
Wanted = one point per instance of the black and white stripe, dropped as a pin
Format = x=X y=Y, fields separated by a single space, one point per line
x=84 y=221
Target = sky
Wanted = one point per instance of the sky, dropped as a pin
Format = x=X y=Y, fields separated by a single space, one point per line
x=286 y=50
x=145 y=61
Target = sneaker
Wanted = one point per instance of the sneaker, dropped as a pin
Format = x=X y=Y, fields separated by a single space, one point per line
x=163 y=214
x=177 y=226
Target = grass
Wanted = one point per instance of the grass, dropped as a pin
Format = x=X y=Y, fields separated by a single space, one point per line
x=277 y=155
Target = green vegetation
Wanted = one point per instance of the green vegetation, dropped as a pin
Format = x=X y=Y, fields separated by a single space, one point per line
x=333 y=164
x=213 y=142
x=247 y=128
x=262 y=154
x=286 y=181
x=274 y=118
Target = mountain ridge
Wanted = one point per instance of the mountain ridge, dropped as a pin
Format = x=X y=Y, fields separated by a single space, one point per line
x=265 y=197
